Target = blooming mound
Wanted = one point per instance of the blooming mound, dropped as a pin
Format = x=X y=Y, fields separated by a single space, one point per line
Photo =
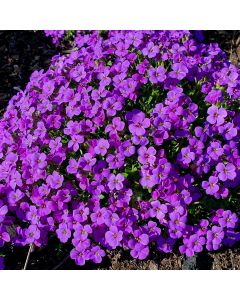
x=130 y=141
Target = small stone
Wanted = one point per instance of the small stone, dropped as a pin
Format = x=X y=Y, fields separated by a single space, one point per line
x=190 y=263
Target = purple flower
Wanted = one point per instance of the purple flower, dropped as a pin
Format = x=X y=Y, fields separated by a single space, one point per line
x=73 y=166
x=115 y=161
x=159 y=136
x=231 y=238
x=40 y=131
x=55 y=180
x=228 y=131
x=214 y=238
x=203 y=165
x=226 y=171
x=146 y=155
x=117 y=125
x=157 y=75
x=151 y=50
x=215 y=150
x=80 y=255
x=138 y=122
x=177 y=221
x=147 y=180
x=162 y=170
x=113 y=237
x=140 y=140
x=4 y=236
x=211 y=185
x=116 y=182
x=81 y=233
x=202 y=133
x=186 y=156
x=228 y=219
x=216 y=115
x=179 y=71
x=39 y=160
x=32 y=215
x=153 y=230
x=55 y=144
x=16 y=180
x=140 y=252
x=158 y=210
x=203 y=227
x=97 y=254
x=56 y=35
x=214 y=96
x=3 y=211
x=186 y=196
x=165 y=245
x=98 y=216
x=87 y=162
x=32 y=233
x=75 y=141
x=63 y=232
x=82 y=244
x=111 y=106
x=196 y=242
x=111 y=219
x=128 y=149
x=80 y=215
x=102 y=147
x=15 y=196
x=139 y=239
x=78 y=73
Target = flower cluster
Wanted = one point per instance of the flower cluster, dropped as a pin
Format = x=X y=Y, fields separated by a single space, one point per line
x=56 y=35
x=130 y=141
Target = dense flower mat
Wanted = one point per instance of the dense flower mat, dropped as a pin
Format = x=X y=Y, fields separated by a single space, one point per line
x=130 y=141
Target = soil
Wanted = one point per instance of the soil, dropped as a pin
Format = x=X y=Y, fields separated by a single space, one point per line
x=228 y=40
x=51 y=258
x=22 y=52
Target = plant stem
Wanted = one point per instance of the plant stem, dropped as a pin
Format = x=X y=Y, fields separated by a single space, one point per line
x=61 y=263
x=28 y=256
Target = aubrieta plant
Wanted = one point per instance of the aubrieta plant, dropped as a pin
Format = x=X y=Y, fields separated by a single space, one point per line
x=130 y=141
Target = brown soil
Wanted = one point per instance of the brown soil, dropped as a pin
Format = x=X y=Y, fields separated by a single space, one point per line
x=49 y=259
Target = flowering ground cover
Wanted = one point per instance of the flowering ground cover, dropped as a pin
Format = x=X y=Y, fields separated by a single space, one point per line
x=131 y=141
